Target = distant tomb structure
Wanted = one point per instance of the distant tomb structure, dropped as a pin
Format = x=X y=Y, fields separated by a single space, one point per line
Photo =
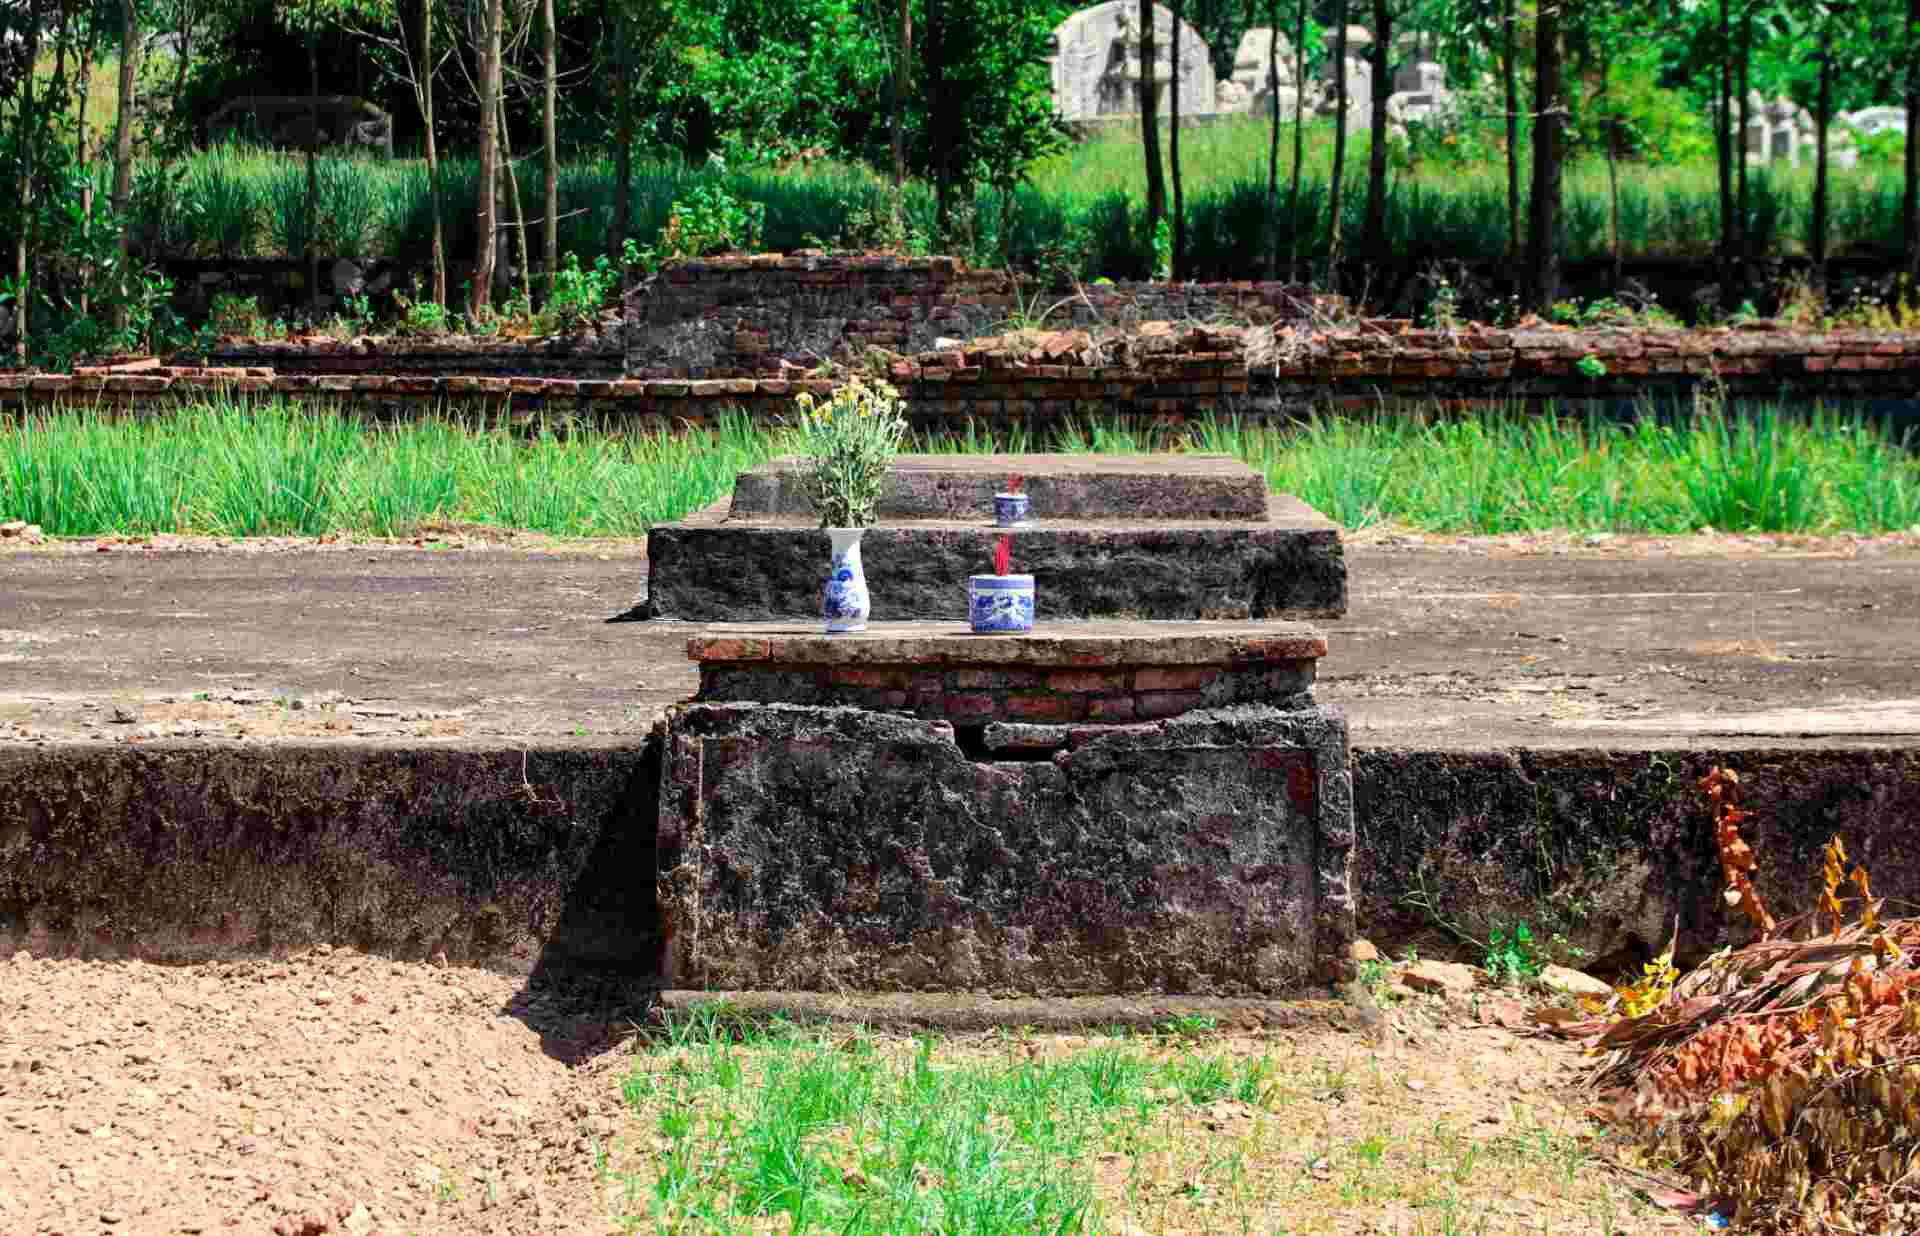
x=298 y=121
x=1252 y=87
x=1097 y=70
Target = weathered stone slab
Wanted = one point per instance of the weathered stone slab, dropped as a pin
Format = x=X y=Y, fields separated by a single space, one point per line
x=715 y=569
x=1133 y=487
x=826 y=849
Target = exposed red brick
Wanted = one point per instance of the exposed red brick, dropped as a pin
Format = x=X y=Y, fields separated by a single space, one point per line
x=1040 y=707
x=970 y=706
x=1176 y=678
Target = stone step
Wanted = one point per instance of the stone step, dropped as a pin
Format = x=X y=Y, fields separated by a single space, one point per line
x=1209 y=487
x=715 y=568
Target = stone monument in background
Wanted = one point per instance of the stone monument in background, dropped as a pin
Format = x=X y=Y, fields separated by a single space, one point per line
x=1096 y=68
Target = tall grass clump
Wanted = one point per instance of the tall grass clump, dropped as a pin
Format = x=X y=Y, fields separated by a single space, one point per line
x=1762 y=468
x=243 y=469
x=1078 y=213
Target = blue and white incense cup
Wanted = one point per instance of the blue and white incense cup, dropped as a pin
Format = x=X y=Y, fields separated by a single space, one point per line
x=1000 y=604
x=1011 y=510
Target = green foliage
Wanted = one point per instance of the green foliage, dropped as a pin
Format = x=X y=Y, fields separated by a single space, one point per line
x=420 y=316
x=708 y=220
x=1513 y=955
x=1591 y=366
x=579 y=295
x=849 y=442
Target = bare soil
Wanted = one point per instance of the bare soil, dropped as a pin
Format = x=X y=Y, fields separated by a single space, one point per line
x=330 y=1092
x=336 y=1092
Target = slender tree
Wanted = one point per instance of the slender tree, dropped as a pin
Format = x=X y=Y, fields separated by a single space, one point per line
x=83 y=140
x=1339 y=143
x=1373 y=227
x=1742 y=230
x=480 y=297
x=1173 y=145
x=1549 y=126
x=1910 y=201
x=28 y=138
x=1822 y=119
x=313 y=155
x=1725 y=148
x=901 y=73
x=123 y=136
x=550 y=154
x=1510 y=86
x=1150 y=126
x=623 y=23
x=1273 y=137
x=1299 y=137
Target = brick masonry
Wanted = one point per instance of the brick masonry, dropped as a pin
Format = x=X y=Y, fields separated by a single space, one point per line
x=976 y=696
x=1351 y=368
x=750 y=333
x=765 y=315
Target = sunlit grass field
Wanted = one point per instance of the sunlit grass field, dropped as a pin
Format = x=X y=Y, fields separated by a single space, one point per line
x=279 y=468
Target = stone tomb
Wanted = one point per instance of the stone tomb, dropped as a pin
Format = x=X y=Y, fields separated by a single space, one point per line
x=1096 y=69
x=919 y=808
x=1175 y=537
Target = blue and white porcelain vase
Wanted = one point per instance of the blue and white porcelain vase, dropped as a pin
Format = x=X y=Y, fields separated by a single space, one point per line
x=1000 y=604
x=845 y=603
x=1011 y=510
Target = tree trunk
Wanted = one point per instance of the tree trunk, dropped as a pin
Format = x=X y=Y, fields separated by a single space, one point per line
x=1543 y=224
x=1150 y=136
x=83 y=155
x=123 y=140
x=933 y=50
x=1822 y=117
x=1910 y=206
x=23 y=238
x=1510 y=80
x=1373 y=228
x=1723 y=134
x=1339 y=143
x=182 y=55
x=1179 y=265
x=900 y=76
x=623 y=134
x=514 y=203
x=313 y=155
x=480 y=296
x=1740 y=208
x=1273 y=137
x=1299 y=138
x=550 y=164
x=425 y=93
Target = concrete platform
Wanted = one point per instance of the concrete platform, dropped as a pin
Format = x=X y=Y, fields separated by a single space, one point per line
x=1527 y=715
x=715 y=567
x=961 y=487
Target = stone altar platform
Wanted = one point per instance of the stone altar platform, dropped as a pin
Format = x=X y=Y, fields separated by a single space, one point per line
x=946 y=811
x=1171 y=537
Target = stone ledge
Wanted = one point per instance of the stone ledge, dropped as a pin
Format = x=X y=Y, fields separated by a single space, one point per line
x=1102 y=644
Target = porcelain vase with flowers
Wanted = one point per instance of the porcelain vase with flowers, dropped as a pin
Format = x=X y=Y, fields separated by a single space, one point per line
x=849 y=443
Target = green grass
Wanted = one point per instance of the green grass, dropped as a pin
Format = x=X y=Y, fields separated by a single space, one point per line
x=1078 y=214
x=273 y=468
x=737 y=1125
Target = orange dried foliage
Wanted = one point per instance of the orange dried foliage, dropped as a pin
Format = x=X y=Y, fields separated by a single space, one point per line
x=1783 y=1076
x=1736 y=857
